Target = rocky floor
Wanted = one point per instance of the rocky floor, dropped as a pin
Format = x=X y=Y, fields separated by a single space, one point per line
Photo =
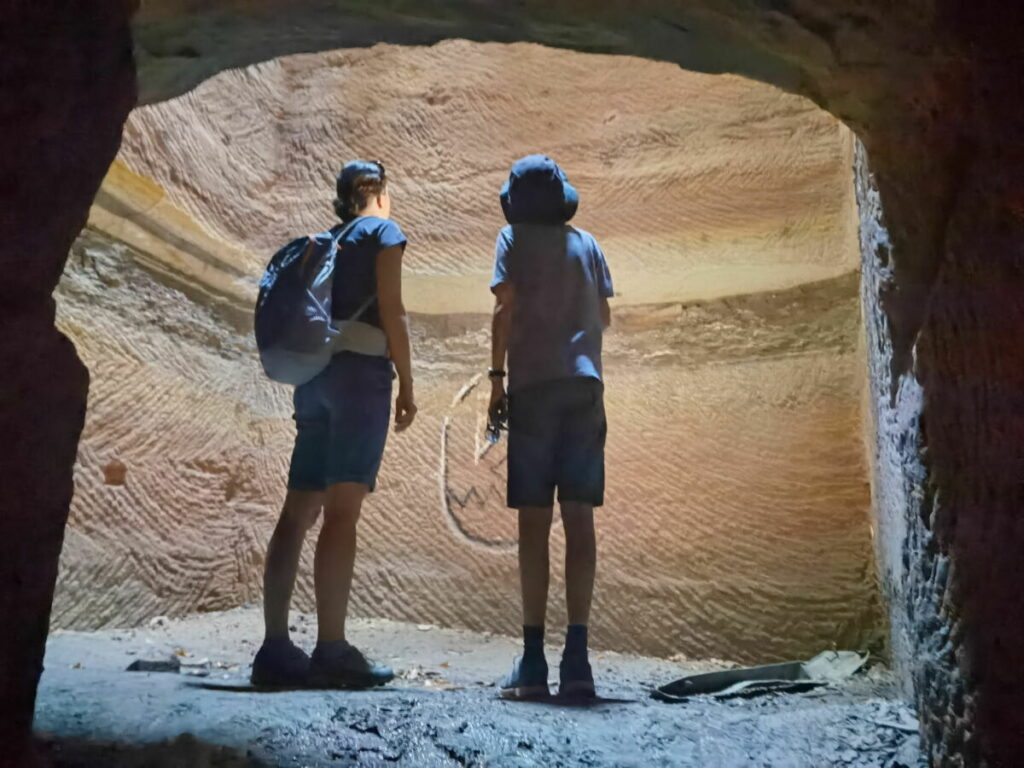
x=442 y=711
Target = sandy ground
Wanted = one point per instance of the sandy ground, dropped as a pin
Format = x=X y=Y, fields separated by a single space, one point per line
x=442 y=711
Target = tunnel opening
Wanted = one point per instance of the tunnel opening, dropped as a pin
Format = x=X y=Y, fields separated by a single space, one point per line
x=738 y=516
x=930 y=88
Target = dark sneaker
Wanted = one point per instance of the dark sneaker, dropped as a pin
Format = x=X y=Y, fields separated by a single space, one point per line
x=280 y=662
x=527 y=680
x=341 y=665
x=575 y=678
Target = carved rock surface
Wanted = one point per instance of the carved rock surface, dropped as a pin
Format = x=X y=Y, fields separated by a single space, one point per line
x=737 y=517
x=698 y=186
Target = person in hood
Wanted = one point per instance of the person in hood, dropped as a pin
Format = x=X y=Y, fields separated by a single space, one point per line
x=551 y=287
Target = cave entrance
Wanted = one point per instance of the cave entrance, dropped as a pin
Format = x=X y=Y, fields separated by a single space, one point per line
x=738 y=515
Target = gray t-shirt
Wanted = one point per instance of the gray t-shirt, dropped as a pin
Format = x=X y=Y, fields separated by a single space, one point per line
x=560 y=276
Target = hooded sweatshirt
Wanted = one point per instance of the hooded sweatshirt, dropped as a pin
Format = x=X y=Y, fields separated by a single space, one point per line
x=560 y=275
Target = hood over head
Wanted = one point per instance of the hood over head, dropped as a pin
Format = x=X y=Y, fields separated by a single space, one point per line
x=538 y=192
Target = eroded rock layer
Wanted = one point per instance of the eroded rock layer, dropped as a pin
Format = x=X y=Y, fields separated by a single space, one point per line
x=698 y=185
x=737 y=516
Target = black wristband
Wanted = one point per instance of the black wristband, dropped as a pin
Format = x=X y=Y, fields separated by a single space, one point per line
x=496 y=373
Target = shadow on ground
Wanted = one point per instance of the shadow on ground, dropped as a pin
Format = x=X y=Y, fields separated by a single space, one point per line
x=185 y=751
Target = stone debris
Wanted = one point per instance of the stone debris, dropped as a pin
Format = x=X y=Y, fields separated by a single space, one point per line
x=170 y=663
x=196 y=667
x=828 y=667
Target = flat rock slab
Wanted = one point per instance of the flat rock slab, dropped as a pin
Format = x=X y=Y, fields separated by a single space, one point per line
x=442 y=710
x=169 y=664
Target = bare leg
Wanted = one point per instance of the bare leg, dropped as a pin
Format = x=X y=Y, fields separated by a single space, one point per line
x=300 y=511
x=529 y=676
x=580 y=560
x=336 y=557
x=534 y=531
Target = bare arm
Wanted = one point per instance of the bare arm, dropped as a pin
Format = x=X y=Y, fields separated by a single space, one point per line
x=606 y=314
x=396 y=328
x=504 y=301
x=501 y=322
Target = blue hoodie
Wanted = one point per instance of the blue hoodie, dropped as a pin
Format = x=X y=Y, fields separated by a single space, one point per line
x=560 y=276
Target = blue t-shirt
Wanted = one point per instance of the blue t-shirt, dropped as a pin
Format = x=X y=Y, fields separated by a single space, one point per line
x=355 y=268
x=560 y=276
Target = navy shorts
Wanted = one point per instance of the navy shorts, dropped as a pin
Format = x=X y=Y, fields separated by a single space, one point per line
x=556 y=439
x=341 y=423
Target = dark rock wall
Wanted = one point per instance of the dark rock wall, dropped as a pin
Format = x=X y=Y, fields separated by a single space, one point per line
x=914 y=573
x=971 y=363
x=944 y=301
x=950 y=421
x=68 y=82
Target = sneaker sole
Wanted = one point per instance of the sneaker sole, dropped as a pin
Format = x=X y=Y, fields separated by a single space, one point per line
x=577 y=689
x=525 y=692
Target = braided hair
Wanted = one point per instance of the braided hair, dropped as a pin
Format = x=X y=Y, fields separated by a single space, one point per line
x=357 y=184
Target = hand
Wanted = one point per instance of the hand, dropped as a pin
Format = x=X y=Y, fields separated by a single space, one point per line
x=497 y=410
x=405 y=408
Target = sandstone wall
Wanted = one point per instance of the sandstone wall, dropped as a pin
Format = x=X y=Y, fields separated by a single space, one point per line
x=737 y=521
x=701 y=186
x=736 y=518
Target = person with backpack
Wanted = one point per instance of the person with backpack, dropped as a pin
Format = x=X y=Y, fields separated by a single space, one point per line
x=330 y=318
x=551 y=286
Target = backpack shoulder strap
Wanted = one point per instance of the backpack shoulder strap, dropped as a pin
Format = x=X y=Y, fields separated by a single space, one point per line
x=320 y=237
x=363 y=307
x=345 y=230
x=308 y=252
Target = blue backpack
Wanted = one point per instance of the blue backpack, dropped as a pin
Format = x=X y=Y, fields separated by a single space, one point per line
x=294 y=330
